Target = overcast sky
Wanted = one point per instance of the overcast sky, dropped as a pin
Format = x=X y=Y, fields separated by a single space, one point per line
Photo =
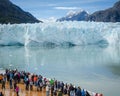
x=59 y=8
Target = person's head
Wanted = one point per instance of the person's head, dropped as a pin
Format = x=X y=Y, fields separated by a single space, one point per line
x=79 y=87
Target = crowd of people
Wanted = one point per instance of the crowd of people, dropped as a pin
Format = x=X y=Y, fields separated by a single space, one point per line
x=53 y=87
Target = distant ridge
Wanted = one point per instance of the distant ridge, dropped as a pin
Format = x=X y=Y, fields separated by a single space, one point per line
x=75 y=16
x=108 y=15
x=10 y=13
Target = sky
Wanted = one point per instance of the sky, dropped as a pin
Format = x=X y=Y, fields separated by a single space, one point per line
x=59 y=8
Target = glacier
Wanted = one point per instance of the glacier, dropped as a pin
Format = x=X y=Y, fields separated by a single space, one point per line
x=60 y=34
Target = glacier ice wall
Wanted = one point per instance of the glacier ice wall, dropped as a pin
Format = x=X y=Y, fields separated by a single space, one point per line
x=60 y=33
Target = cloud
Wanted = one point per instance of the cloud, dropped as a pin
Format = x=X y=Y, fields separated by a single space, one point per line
x=50 y=19
x=51 y=5
x=67 y=8
x=89 y=1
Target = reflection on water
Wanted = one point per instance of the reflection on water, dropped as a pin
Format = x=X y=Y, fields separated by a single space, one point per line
x=94 y=68
x=115 y=69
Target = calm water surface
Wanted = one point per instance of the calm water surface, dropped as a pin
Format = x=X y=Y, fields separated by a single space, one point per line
x=92 y=67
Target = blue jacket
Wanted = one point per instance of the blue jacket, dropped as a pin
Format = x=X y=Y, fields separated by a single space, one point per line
x=78 y=92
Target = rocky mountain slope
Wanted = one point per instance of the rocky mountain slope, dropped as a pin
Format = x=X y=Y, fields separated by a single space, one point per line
x=10 y=13
x=109 y=15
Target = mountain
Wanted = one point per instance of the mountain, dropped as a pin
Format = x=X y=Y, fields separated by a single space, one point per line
x=109 y=15
x=75 y=16
x=10 y=13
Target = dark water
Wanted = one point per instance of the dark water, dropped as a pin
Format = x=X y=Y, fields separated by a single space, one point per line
x=92 y=67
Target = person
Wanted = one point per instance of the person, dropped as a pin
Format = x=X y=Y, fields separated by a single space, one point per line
x=3 y=82
x=83 y=92
x=1 y=94
x=10 y=80
x=52 y=90
x=98 y=94
x=31 y=85
x=15 y=84
x=39 y=83
x=60 y=93
x=72 y=92
x=54 y=93
x=17 y=90
x=47 y=90
x=27 y=83
x=65 y=89
x=78 y=92
x=1 y=77
x=87 y=93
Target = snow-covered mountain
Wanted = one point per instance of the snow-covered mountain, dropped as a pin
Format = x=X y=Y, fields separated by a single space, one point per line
x=80 y=15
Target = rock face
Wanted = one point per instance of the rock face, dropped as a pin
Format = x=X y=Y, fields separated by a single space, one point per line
x=10 y=13
x=108 y=15
x=75 y=16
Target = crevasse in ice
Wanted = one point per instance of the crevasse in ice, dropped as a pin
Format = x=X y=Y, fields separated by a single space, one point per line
x=60 y=33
